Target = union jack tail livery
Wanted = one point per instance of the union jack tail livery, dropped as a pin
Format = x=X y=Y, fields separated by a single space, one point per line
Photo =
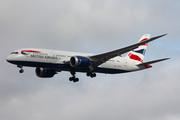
x=137 y=54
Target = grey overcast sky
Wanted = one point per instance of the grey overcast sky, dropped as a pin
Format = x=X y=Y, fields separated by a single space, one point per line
x=92 y=26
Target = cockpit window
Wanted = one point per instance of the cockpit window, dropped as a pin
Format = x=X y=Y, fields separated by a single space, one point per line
x=14 y=53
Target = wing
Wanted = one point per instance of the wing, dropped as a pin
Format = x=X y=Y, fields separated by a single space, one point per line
x=101 y=58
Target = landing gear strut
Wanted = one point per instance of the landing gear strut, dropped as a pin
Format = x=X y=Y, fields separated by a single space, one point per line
x=91 y=74
x=21 y=70
x=74 y=79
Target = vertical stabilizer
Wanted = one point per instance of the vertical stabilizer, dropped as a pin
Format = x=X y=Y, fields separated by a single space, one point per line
x=138 y=53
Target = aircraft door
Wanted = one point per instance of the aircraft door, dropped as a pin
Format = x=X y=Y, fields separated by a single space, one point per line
x=125 y=63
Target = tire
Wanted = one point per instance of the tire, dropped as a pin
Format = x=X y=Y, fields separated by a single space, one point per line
x=75 y=79
x=21 y=71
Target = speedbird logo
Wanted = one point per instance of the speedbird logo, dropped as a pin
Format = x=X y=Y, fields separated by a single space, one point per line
x=26 y=52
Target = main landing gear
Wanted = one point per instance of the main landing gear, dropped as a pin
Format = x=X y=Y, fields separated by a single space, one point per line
x=91 y=74
x=74 y=79
x=21 y=70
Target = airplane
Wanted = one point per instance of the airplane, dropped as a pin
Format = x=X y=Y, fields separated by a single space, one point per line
x=50 y=62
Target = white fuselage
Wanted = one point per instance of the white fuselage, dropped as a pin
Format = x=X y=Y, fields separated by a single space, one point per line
x=59 y=60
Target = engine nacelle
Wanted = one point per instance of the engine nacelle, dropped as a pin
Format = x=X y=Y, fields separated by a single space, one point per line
x=79 y=61
x=45 y=72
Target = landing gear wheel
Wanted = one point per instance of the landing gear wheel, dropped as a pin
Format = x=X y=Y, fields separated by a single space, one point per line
x=76 y=80
x=21 y=71
x=71 y=79
x=93 y=75
x=88 y=74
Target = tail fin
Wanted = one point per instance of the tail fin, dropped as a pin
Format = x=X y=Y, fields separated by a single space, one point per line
x=138 y=53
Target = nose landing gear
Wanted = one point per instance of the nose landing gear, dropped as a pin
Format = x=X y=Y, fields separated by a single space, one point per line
x=21 y=70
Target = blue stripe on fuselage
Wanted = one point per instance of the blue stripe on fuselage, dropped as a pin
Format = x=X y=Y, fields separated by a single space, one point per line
x=66 y=67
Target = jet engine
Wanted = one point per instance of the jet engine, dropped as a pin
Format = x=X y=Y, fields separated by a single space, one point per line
x=79 y=62
x=45 y=72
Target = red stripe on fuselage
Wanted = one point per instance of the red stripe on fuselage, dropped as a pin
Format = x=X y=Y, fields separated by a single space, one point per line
x=135 y=57
x=144 y=40
x=31 y=51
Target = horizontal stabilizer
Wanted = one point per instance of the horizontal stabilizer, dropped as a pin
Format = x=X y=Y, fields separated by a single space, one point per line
x=151 y=62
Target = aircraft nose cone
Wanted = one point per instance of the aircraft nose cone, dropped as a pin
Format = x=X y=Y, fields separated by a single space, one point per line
x=8 y=59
